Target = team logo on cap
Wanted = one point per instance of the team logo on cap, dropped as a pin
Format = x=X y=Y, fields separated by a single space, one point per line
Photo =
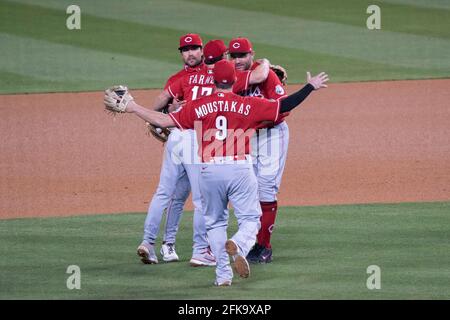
x=279 y=90
x=236 y=45
x=188 y=39
x=224 y=80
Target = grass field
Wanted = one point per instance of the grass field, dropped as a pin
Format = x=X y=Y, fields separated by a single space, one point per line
x=320 y=253
x=138 y=46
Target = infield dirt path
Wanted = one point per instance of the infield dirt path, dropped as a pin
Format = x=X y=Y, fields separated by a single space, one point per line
x=351 y=143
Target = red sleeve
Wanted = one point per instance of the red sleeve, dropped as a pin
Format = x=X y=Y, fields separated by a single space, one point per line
x=171 y=80
x=242 y=81
x=176 y=89
x=264 y=110
x=184 y=118
x=168 y=83
x=273 y=88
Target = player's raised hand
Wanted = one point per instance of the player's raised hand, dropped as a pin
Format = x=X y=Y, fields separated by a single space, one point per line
x=318 y=81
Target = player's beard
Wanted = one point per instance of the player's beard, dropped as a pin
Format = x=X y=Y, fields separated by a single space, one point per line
x=192 y=61
x=243 y=66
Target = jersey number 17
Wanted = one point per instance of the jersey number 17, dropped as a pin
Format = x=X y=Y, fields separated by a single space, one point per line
x=206 y=91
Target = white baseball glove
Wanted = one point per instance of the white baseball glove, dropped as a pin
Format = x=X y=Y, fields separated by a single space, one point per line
x=117 y=98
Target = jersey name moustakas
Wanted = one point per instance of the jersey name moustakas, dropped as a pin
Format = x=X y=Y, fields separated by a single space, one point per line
x=222 y=106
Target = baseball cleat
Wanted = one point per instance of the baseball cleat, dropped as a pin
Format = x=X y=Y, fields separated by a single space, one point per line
x=204 y=259
x=147 y=253
x=168 y=252
x=225 y=283
x=240 y=264
x=265 y=256
x=253 y=255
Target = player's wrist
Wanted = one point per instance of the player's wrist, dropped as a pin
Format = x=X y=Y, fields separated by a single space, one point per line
x=131 y=107
x=311 y=86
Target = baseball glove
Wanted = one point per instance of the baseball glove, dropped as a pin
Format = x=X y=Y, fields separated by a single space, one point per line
x=161 y=134
x=280 y=72
x=117 y=98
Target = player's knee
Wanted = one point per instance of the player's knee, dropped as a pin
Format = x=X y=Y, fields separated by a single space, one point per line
x=215 y=222
x=164 y=192
x=269 y=195
x=267 y=191
x=161 y=197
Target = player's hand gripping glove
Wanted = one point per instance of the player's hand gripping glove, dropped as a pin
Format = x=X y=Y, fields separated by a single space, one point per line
x=280 y=72
x=117 y=98
x=161 y=134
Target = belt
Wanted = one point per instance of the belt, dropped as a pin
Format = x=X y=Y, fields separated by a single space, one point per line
x=244 y=159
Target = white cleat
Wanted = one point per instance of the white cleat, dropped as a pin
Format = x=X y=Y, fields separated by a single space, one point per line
x=147 y=253
x=168 y=252
x=204 y=259
x=240 y=264
x=225 y=283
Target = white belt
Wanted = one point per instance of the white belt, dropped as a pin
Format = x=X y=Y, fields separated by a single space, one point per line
x=232 y=160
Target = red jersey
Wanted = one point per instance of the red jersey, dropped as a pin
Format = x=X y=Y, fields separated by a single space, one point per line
x=241 y=84
x=186 y=69
x=192 y=85
x=175 y=77
x=242 y=81
x=225 y=122
x=271 y=88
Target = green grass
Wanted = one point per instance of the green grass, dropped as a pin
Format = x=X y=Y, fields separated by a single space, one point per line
x=395 y=17
x=320 y=253
x=138 y=46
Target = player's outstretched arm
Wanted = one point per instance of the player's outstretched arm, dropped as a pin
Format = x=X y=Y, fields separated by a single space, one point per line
x=314 y=83
x=156 y=118
x=260 y=73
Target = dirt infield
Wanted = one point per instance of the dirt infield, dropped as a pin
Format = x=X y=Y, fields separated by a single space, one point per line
x=352 y=143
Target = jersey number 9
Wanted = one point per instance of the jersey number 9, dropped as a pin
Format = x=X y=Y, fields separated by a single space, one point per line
x=221 y=125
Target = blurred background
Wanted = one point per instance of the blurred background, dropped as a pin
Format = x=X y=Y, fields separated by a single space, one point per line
x=136 y=41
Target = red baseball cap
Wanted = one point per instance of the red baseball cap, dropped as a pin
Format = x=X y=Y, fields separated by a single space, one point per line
x=214 y=49
x=224 y=72
x=241 y=45
x=190 y=39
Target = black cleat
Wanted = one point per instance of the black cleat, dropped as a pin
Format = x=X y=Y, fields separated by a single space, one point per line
x=265 y=256
x=253 y=255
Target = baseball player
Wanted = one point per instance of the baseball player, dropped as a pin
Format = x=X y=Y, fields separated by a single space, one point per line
x=270 y=146
x=214 y=50
x=225 y=122
x=178 y=175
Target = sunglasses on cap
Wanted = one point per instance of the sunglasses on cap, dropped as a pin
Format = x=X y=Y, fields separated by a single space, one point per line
x=188 y=48
x=235 y=55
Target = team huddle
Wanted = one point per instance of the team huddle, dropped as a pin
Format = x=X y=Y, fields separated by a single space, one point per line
x=228 y=144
